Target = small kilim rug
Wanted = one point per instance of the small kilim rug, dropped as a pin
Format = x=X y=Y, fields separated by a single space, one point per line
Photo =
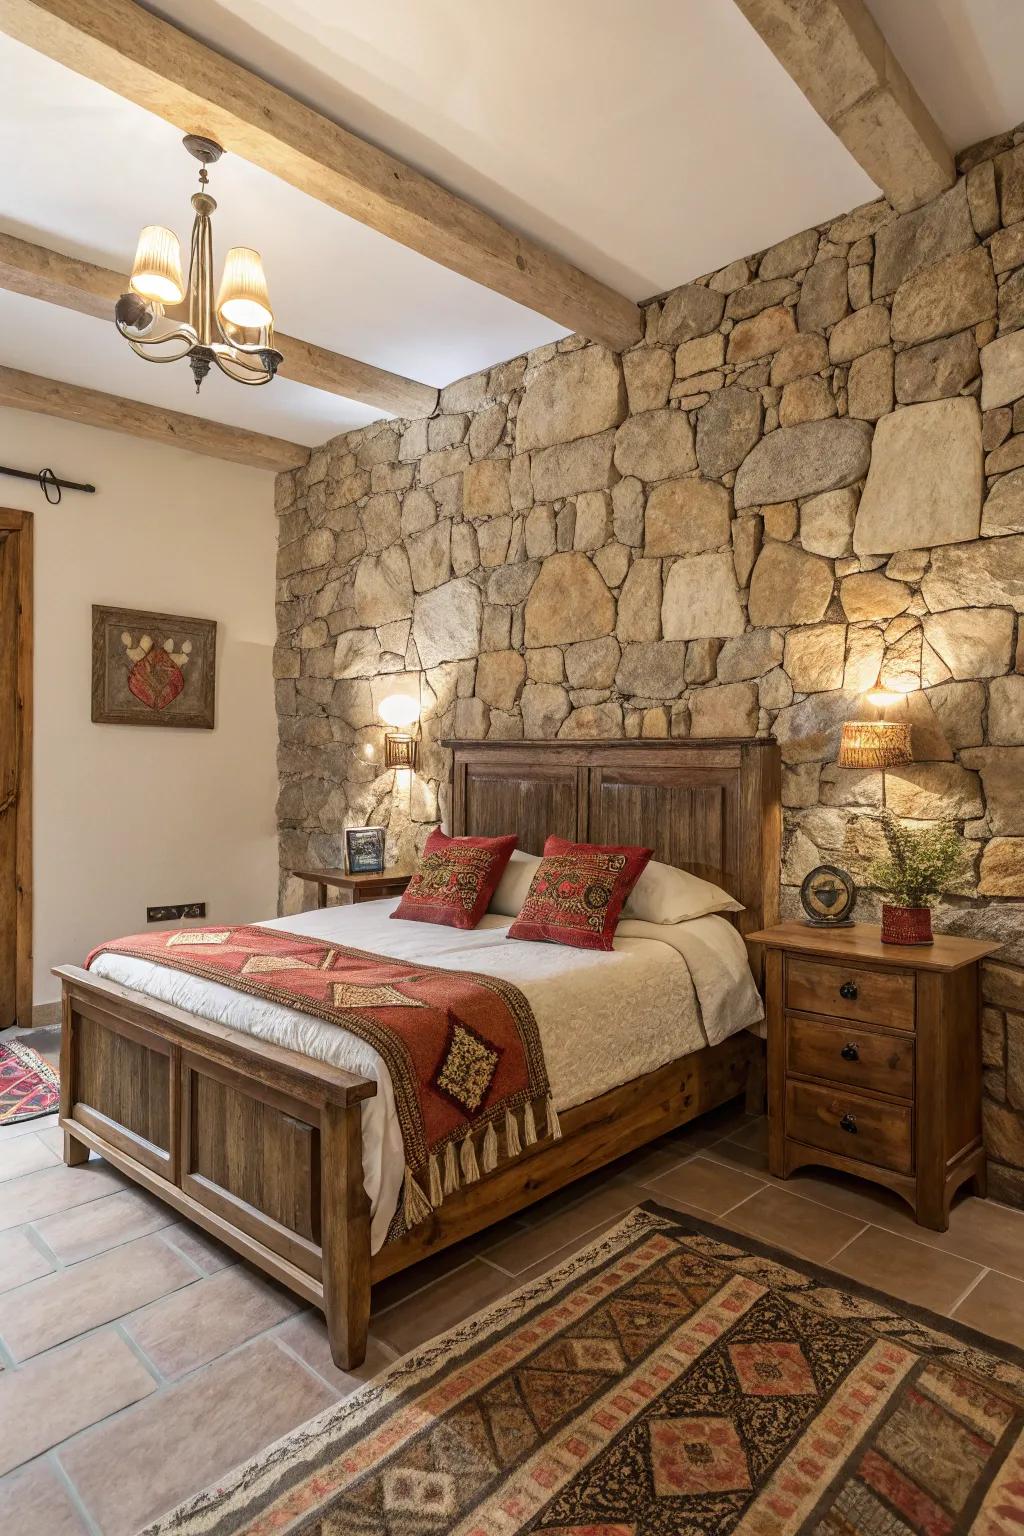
x=29 y=1086
x=665 y=1380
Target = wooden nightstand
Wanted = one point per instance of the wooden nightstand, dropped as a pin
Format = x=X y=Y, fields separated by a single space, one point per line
x=392 y=882
x=874 y=1060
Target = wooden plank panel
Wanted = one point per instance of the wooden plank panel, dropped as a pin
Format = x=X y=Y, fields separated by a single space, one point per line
x=124 y=1080
x=532 y=802
x=150 y=62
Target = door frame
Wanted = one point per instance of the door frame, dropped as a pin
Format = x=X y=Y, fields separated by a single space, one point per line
x=18 y=526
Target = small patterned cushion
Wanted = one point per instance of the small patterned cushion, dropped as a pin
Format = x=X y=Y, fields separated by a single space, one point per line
x=578 y=892
x=455 y=880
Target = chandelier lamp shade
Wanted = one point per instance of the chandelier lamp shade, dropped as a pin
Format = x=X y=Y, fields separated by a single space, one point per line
x=164 y=318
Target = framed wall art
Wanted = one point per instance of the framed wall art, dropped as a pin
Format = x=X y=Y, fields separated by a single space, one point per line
x=153 y=669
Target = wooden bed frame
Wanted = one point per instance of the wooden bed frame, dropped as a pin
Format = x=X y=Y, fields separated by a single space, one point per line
x=261 y=1146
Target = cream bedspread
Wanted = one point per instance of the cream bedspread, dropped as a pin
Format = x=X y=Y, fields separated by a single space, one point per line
x=604 y=1018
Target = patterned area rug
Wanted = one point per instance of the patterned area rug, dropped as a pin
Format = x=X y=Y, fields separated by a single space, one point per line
x=665 y=1380
x=29 y=1086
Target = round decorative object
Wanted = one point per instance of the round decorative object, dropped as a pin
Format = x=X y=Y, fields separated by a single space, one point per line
x=828 y=896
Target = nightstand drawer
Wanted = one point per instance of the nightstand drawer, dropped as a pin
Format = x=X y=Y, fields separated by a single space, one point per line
x=850 y=992
x=850 y=1055
x=835 y=1120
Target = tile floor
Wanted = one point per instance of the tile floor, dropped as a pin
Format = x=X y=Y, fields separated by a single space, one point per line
x=140 y=1360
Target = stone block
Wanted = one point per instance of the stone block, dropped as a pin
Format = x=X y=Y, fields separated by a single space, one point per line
x=824 y=298
x=701 y=599
x=1006 y=711
x=809 y=732
x=800 y=356
x=430 y=560
x=826 y=523
x=649 y=373
x=864 y=651
x=1001 y=770
x=639 y=616
x=593 y=520
x=937 y=370
x=1002 y=371
x=688 y=312
x=924 y=485
x=1002 y=868
x=727 y=428
x=749 y=655
x=746 y=546
x=500 y=676
x=859 y=333
x=754 y=297
x=568 y=468
x=870 y=595
x=656 y=445
x=949 y=296
x=815 y=657
x=569 y=601
x=446 y=622
x=592 y=663
x=485 y=489
x=700 y=355
x=765 y=333
x=1003 y=511
x=942 y=227
x=789 y=586
x=869 y=386
x=653 y=671
x=729 y=710
x=790 y=255
x=808 y=399
x=686 y=517
x=989 y=571
x=931 y=791
x=972 y=642
x=544 y=706
x=595 y=720
x=383 y=587
x=576 y=394
x=800 y=461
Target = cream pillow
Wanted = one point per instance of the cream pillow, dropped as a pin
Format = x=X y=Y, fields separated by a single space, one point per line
x=515 y=882
x=664 y=894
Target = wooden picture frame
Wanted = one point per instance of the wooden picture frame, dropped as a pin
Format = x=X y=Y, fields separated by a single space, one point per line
x=153 y=669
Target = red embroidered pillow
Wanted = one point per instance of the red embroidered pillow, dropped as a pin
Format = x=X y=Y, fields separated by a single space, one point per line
x=456 y=879
x=578 y=892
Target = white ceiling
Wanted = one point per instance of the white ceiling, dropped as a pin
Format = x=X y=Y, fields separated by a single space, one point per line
x=647 y=142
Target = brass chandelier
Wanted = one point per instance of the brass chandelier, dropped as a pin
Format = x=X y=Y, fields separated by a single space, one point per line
x=163 y=321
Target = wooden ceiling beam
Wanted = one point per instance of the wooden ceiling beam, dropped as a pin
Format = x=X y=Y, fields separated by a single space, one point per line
x=51 y=397
x=157 y=66
x=838 y=56
x=41 y=273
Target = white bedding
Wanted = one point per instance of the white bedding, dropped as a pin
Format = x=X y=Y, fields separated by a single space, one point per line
x=604 y=1018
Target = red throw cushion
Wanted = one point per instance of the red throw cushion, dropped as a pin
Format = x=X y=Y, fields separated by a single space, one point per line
x=578 y=892
x=456 y=878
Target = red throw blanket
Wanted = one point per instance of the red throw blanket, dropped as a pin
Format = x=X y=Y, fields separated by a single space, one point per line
x=462 y=1049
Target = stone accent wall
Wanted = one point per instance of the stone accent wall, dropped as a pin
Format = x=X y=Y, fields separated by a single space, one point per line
x=808 y=479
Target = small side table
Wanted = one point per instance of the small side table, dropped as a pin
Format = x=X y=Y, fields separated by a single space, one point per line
x=874 y=1060
x=392 y=882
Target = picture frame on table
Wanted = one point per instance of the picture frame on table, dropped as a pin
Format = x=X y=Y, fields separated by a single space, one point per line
x=364 y=850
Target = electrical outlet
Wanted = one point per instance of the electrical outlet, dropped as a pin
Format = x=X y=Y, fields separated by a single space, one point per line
x=176 y=913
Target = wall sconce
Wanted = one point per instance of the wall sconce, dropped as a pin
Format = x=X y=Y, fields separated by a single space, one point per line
x=399 y=710
x=876 y=743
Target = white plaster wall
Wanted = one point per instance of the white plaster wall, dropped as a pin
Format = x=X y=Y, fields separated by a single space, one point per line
x=130 y=816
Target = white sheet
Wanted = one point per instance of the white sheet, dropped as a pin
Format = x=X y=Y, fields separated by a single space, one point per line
x=603 y=1017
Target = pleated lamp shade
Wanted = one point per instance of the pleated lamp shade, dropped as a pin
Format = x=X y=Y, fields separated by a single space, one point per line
x=875 y=744
x=243 y=299
x=156 y=273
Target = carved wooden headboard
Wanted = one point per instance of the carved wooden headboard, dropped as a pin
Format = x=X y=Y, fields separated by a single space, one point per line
x=712 y=807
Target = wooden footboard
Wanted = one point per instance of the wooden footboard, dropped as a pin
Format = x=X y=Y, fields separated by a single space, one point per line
x=262 y=1146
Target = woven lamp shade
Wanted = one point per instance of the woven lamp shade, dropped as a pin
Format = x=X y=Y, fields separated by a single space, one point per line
x=875 y=744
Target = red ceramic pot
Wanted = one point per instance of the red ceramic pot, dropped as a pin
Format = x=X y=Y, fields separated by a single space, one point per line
x=906 y=925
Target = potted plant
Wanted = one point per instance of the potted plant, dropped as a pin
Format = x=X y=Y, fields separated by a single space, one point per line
x=921 y=862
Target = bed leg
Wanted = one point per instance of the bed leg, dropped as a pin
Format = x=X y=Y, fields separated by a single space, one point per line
x=344 y=1234
x=75 y=1151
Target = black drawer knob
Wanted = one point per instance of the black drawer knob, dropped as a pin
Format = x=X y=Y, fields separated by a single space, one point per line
x=848 y=1124
x=850 y=1052
x=848 y=990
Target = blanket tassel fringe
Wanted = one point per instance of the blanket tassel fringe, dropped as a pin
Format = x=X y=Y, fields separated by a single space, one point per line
x=460 y=1164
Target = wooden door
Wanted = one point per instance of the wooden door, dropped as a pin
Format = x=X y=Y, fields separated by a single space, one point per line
x=15 y=768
